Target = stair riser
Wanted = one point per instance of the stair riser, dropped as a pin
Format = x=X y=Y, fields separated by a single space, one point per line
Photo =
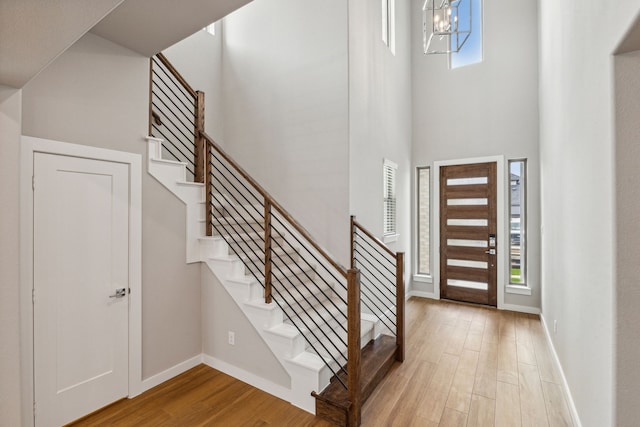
x=266 y=319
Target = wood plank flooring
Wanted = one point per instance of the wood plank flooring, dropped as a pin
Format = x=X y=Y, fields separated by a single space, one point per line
x=470 y=366
x=465 y=366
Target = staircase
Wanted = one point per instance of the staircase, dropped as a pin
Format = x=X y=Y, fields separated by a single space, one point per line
x=335 y=331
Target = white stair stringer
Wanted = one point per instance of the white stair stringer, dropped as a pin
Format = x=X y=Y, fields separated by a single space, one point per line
x=172 y=175
x=308 y=372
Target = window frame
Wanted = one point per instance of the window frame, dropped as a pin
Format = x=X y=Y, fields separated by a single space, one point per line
x=418 y=273
x=389 y=24
x=481 y=30
x=523 y=283
x=391 y=234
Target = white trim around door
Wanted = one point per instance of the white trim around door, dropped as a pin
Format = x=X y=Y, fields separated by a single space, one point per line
x=29 y=147
x=435 y=220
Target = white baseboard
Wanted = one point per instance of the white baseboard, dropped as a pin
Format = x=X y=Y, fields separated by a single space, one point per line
x=166 y=375
x=248 y=377
x=565 y=385
x=520 y=308
x=421 y=294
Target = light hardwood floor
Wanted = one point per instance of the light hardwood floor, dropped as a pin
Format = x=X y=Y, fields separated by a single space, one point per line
x=465 y=366
x=470 y=366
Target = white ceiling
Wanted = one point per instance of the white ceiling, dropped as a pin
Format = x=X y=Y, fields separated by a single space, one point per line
x=34 y=32
x=150 y=26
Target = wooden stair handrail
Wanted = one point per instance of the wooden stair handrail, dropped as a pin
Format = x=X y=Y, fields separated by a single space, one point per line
x=400 y=292
x=176 y=74
x=275 y=205
x=384 y=247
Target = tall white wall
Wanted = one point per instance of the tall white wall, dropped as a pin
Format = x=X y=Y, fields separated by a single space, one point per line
x=627 y=190
x=285 y=101
x=199 y=59
x=485 y=109
x=96 y=93
x=10 y=127
x=577 y=39
x=379 y=118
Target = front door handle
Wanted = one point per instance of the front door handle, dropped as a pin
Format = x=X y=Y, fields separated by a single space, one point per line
x=490 y=252
x=119 y=293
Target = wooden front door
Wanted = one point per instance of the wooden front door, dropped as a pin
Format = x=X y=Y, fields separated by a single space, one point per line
x=468 y=238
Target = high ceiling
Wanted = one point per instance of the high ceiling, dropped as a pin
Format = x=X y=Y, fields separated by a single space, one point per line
x=34 y=32
x=150 y=26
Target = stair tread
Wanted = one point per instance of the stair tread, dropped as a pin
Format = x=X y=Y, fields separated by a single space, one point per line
x=377 y=358
x=168 y=162
x=190 y=183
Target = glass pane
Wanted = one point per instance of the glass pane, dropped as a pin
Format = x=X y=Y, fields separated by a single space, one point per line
x=517 y=169
x=468 y=284
x=467 y=181
x=424 y=266
x=467 y=202
x=471 y=51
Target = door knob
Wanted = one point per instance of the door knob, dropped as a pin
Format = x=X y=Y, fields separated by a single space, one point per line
x=490 y=252
x=119 y=293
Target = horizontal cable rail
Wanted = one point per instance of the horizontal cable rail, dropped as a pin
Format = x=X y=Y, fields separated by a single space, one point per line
x=381 y=281
x=297 y=274
x=176 y=115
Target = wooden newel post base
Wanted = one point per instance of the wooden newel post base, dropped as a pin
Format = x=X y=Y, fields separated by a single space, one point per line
x=354 y=347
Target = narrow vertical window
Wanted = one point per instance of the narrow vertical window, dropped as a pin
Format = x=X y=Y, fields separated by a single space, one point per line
x=389 y=170
x=424 y=254
x=517 y=218
x=471 y=51
x=389 y=24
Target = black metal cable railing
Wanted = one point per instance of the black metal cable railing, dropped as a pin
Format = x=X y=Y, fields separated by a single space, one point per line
x=173 y=109
x=378 y=277
x=308 y=290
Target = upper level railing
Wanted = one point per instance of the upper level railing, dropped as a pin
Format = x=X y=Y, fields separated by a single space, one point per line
x=321 y=299
x=176 y=114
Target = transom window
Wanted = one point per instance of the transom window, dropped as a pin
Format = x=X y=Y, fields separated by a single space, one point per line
x=471 y=51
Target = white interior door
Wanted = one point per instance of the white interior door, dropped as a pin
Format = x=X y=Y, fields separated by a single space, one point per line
x=81 y=226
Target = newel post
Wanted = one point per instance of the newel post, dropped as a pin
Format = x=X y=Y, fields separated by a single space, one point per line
x=267 y=251
x=400 y=306
x=199 y=154
x=353 y=241
x=354 y=348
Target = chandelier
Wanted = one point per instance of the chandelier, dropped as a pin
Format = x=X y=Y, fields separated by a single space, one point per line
x=446 y=25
